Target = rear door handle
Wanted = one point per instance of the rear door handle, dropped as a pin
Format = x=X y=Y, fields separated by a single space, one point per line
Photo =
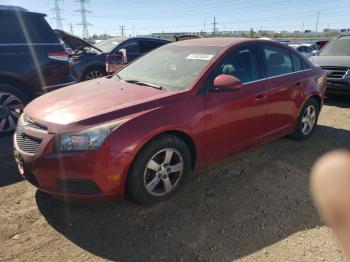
x=259 y=97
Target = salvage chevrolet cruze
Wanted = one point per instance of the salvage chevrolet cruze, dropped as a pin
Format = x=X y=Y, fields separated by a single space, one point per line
x=176 y=109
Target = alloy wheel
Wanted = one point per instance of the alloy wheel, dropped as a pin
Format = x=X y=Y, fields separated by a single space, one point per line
x=163 y=172
x=308 y=120
x=94 y=74
x=11 y=108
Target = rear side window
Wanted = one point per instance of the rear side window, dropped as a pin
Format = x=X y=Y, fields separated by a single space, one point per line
x=301 y=49
x=146 y=46
x=278 y=60
x=25 y=28
x=298 y=63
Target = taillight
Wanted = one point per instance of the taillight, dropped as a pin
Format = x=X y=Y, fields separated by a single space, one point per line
x=60 y=56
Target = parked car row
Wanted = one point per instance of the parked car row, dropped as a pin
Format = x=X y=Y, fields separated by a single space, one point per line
x=305 y=50
x=142 y=130
x=89 y=61
x=175 y=109
x=35 y=59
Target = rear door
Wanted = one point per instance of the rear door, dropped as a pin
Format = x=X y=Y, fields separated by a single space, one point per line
x=236 y=119
x=286 y=79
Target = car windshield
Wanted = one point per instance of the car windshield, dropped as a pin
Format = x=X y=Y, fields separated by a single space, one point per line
x=108 y=45
x=171 y=66
x=337 y=47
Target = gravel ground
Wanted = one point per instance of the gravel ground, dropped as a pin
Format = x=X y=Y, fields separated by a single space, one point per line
x=254 y=206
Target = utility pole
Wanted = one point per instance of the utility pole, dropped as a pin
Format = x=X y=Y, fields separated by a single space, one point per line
x=318 y=17
x=83 y=11
x=302 y=28
x=214 y=26
x=204 y=25
x=133 y=30
x=122 y=29
x=71 y=28
x=58 y=17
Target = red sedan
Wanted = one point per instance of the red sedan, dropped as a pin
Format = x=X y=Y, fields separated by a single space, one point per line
x=176 y=109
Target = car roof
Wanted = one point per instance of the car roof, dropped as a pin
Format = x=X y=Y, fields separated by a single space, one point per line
x=12 y=9
x=217 y=41
x=147 y=38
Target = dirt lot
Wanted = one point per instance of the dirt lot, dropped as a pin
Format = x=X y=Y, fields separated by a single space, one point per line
x=253 y=206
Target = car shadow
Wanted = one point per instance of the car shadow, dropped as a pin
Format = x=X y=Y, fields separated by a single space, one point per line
x=342 y=101
x=226 y=211
x=8 y=168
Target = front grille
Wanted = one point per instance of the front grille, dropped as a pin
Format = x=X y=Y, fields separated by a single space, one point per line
x=27 y=144
x=335 y=72
x=32 y=124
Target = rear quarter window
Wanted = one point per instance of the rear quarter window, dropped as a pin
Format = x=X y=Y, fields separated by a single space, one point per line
x=23 y=28
x=298 y=63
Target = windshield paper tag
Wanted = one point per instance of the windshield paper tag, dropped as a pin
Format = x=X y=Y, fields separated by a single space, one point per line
x=199 y=57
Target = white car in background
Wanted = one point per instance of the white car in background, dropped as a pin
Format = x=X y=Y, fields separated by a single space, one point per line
x=306 y=50
x=313 y=46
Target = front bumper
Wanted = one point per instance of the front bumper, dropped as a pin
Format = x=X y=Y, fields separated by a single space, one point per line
x=99 y=174
x=338 y=86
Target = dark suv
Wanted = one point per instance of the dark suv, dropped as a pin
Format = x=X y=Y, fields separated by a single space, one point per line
x=89 y=61
x=33 y=61
x=334 y=59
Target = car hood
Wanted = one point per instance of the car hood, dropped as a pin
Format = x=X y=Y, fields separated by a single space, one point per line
x=343 y=61
x=73 y=41
x=94 y=102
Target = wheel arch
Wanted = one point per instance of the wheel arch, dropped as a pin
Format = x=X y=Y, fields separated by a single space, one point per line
x=28 y=90
x=315 y=97
x=179 y=134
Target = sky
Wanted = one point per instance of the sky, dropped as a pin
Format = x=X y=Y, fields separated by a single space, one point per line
x=141 y=17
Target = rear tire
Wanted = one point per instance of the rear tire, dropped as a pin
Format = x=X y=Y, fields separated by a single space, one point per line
x=159 y=170
x=307 y=120
x=12 y=102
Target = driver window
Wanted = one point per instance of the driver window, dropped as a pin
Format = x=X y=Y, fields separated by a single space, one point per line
x=241 y=63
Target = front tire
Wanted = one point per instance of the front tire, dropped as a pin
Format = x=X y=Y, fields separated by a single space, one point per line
x=12 y=102
x=93 y=73
x=307 y=120
x=159 y=170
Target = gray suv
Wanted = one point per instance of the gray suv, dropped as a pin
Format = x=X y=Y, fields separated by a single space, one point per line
x=334 y=59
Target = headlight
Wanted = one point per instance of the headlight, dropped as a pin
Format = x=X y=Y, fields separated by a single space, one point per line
x=89 y=139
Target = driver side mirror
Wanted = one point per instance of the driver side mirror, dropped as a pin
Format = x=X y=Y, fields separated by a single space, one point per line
x=116 y=61
x=225 y=83
x=122 y=52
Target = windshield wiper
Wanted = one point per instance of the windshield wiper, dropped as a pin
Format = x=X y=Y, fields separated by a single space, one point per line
x=137 y=82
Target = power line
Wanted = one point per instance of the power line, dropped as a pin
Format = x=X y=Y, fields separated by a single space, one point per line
x=83 y=11
x=58 y=17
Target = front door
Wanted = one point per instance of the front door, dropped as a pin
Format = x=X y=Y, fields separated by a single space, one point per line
x=236 y=119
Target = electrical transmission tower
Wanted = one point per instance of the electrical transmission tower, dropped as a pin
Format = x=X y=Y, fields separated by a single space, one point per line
x=122 y=29
x=83 y=11
x=58 y=17
x=215 y=29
